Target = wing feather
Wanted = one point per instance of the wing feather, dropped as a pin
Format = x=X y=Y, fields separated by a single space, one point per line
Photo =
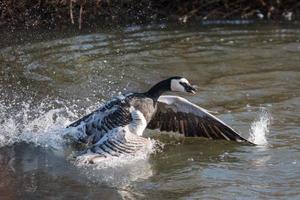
x=114 y=144
x=92 y=127
x=177 y=114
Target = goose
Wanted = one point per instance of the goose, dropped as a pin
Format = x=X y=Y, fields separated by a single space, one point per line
x=116 y=128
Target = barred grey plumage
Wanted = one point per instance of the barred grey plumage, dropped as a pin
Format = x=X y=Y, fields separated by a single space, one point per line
x=116 y=128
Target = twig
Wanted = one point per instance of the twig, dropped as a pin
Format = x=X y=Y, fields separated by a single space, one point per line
x=71 y=11
x=80 y=16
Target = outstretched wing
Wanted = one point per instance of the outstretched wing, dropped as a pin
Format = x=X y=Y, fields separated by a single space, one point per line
x=92 y=127
x=100 y=111
x=179 y=115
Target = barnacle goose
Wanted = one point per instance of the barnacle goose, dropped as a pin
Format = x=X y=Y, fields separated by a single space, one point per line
x=116 y=128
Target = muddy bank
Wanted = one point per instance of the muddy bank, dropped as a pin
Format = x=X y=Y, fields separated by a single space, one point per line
x=93 y=13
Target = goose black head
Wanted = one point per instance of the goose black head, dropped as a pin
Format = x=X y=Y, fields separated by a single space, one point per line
x=175 y=84
x=180 y=84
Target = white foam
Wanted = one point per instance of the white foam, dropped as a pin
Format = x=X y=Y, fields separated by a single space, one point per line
x=118 y=171
x=33 y=125
x=260 y=128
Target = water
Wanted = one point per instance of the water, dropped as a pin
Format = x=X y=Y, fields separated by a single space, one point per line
x=248 y=74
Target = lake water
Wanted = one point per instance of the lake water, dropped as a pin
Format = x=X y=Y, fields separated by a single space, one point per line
x=248 y=74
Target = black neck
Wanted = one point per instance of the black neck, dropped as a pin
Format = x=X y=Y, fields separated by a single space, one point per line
x=157 y=90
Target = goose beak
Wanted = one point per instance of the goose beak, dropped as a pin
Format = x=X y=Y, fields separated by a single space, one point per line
x=190 y=89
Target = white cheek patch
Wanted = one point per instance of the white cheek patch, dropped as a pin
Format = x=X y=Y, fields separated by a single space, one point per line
x=176 y=86
x=183 y=80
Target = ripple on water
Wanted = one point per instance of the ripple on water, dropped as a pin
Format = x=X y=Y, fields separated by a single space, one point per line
x=238 y=70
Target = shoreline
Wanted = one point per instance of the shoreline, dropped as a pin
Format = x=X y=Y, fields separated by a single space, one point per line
x=83 y=14
x=23 y=36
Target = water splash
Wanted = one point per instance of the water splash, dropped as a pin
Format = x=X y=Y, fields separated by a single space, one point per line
x=121 y=175
x=33 y=124
x=44 y=126
x=118 y=171
x=260 y=128
x=41 y=126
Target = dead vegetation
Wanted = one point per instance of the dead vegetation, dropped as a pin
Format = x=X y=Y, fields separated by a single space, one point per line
x=89 y=13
